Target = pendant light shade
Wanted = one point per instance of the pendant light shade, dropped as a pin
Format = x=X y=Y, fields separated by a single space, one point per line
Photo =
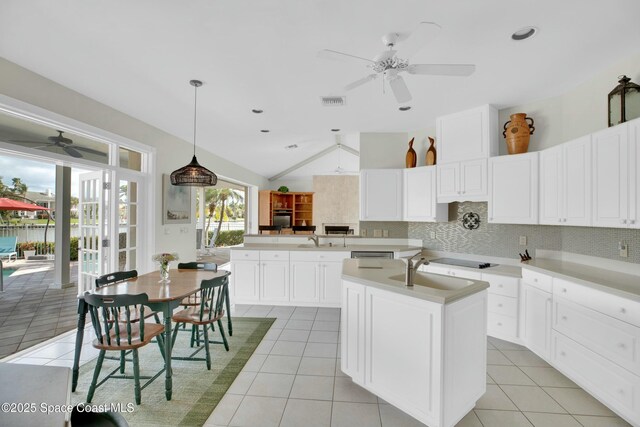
x=193 y=174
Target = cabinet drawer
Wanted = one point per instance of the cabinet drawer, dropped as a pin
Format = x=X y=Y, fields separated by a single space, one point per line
x=237 y=255
x=537 y=280
x=500 y=325
x=615 y=386
x=616 y=340
x=500 y=304
x=274 y=255
x=502 y=285
x=329 y=256
x=611 y=305
x=455 y=272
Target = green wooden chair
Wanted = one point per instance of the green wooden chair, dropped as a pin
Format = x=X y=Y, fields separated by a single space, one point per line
x=121 y=336
x=213 y=296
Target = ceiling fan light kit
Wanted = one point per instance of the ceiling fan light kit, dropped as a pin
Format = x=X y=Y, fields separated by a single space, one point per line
x=193 y=174
x=389 y=64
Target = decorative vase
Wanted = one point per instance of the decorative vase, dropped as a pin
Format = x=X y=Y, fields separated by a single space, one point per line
x=164 y=272
x=411 y=155
x=518 y=131
x=430 y=159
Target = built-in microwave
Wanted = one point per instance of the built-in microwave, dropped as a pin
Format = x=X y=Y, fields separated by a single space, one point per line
x=283 y=219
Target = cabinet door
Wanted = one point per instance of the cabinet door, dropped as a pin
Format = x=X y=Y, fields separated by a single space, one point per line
x=473 y=180
x=577 y=182
x=551 y=186
x=274 y=283
x=610 y=177
x=304 y=283
x=381 y=195
x=634 y=173
x=448 y=182
x=513 y=189
x=352 y=331
x=419 y=188
x=536 y=320
x=467 y=135
x=330 y=283
x=245 y=279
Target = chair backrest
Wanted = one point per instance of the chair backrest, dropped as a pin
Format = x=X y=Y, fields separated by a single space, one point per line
x=277 y=228
x=104 y=308
x=303 y=228
x=207 y=266
x=118 y=276
x=336 y=229
x=8 y=244
x=213 y=295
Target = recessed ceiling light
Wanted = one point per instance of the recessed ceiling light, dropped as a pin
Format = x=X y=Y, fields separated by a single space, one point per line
x=257 y=111
x=264 y=130
x=524 y=33
x=335 y=130
x=291 y=147
x=407 y=108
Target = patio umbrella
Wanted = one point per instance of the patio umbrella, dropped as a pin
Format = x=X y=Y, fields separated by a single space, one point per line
x=15 y=205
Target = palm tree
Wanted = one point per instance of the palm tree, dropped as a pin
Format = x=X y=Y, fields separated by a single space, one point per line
x=218 y=196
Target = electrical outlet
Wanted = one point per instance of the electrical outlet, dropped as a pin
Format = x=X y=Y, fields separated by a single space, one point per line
x=363 y=232
x=523 y=240
x=432 y=234
x=377 y=233
x=623 y=249
x=385 y=233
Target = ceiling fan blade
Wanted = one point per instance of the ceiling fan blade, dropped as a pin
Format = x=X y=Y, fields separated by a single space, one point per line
x=340 y=56
x=28 y=142
x=458 y=70
x=360 y=82
x=71 y=151
x=423 y=34
x=90 y=151
x=400 y=89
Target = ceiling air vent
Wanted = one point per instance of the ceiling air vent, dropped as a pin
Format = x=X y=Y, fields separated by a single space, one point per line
x=333 y=101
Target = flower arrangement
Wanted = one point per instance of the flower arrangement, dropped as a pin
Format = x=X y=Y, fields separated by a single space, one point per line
x=164 y=259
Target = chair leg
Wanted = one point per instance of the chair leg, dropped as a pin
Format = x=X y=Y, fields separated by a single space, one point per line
x=136 y=376
x=175 y=335
x=224 y=338
x=160 y=341
x=96 y=374
x=206 y=347
x=193 y=338
x=122 y=361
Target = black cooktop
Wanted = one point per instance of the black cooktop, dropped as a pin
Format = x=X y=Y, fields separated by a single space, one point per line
x=462 y=263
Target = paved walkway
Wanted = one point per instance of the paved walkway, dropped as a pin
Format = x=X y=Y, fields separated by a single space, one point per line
x=30 y=310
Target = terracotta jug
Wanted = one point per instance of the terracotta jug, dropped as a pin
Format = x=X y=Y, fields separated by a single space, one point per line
x=518 y=131
x=412 y=157
x=430 y=159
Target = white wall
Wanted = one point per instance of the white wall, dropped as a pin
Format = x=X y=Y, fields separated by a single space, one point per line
x=172 y=152
x=300 y=184
x=383 y=150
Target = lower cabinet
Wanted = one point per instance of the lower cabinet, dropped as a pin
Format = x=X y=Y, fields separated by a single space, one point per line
x=274 y=281
x=330 y=282
x=245 y=280
x=438 y=373
x=304 y=283
x=536 y=320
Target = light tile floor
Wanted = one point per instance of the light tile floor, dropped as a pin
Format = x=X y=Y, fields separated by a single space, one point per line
x=294 y=379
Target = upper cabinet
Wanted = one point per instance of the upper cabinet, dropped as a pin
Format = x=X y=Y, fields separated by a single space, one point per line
x=565 y=183
x=634 y=174
x=381 y=195
x=467 y=135
x=462 y=181
x=513 y=189
x=420 y=196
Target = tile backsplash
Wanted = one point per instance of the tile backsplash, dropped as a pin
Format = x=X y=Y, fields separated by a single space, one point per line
x=503 y=240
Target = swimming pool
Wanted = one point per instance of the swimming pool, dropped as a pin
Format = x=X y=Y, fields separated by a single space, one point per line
x=6 y=272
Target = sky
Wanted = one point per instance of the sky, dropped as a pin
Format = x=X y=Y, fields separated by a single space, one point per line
x=38 y=176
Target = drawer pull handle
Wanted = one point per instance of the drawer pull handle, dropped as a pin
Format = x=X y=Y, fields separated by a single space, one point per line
x=621 y=345
x=621 y=391
x=535 y=280
x=499 y=323
x=564 y=317
x=623 y=310
x=562 y=353
x=275 y=256
x=564 y=290
x=500 y=286
x=499 y=305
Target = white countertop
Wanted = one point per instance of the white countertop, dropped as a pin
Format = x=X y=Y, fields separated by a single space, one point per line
x=611 y=281
x=324 y=247
x=378 y=273
x=501 y=269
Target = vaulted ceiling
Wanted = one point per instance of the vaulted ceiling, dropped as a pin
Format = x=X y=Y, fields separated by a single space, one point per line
x=138 y=57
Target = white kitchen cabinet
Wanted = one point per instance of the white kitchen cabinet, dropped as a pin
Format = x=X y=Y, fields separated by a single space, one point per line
x=462 y=181
x=419 y=186
x=245 y=280
x=468 y=135
x=330 y=278
x=304 y=282
x=381 y=195
x=536 y=319
x=513 y=189
x=352 y=330
x=274 y=281
x=565 y=183
x=634 y=173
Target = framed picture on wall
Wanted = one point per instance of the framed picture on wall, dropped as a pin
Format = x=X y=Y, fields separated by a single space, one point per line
x=176 y=203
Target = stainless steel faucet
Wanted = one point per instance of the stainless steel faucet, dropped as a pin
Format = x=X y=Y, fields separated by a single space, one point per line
x=412 y=267
x=316 y=240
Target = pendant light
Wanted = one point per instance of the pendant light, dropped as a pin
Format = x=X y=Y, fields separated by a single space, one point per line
x=193 y=174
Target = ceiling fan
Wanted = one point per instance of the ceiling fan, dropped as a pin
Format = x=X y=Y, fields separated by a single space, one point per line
x=61 y=142
x=390 y=65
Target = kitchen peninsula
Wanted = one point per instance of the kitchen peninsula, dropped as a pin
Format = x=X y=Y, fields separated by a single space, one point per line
x=420 y=348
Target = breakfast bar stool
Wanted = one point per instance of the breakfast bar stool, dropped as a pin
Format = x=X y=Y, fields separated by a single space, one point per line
x=277 y=229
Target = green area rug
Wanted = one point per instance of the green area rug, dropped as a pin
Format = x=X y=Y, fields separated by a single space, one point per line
x=196 y=391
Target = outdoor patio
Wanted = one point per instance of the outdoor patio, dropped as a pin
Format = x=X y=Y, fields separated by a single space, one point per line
x=31 y=311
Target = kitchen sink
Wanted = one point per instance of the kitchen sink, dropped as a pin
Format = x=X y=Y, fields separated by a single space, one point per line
x=435 y=281
x=311 y=246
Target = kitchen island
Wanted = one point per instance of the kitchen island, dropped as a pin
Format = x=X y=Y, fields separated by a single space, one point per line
x=421 y=348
